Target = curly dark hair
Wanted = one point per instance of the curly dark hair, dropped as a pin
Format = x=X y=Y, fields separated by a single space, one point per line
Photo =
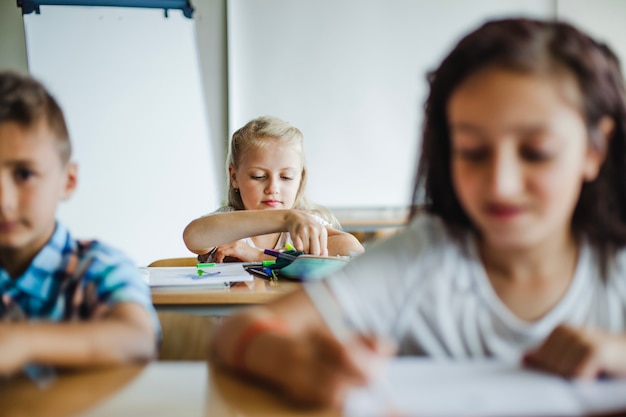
x=532 y=46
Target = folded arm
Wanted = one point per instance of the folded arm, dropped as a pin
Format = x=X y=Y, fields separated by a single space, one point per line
x=206 y=233
x=124 y=335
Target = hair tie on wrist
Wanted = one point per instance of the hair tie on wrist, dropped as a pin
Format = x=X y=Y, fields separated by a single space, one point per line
x=251 y=331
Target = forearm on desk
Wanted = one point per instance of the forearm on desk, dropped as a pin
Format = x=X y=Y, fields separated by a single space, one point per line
x=126 y=334
x=203 y=234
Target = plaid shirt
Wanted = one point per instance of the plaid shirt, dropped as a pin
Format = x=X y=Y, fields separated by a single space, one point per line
x=72 y=280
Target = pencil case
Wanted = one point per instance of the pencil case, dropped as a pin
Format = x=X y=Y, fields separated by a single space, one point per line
x=307 y=267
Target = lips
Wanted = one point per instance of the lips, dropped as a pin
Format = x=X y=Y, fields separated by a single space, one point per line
x=7 y=226
x=501 y=211
x=272 y=203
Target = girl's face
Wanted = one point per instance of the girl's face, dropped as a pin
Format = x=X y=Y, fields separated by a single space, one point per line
x=268 y=176
x=519 y=155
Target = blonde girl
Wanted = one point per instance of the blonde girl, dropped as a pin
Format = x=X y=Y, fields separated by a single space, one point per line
x=267 y=208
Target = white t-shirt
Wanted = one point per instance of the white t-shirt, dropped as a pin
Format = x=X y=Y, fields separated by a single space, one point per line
x=431 y=294
x=281 y=243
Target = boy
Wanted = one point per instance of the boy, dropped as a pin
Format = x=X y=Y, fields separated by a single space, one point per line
x=45 y=275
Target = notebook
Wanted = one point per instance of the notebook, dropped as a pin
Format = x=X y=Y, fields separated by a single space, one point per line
x=484 y=388
x=223 y=276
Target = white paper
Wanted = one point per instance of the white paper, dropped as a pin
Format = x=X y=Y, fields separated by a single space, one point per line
x=188 y=276
x=487 y=388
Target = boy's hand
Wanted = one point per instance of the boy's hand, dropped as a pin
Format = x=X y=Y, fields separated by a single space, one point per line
x=308 y=235
x=13 y=353
x=580 y=353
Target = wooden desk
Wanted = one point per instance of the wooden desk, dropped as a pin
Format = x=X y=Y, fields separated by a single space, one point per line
x=213 y=302
x=130 y=391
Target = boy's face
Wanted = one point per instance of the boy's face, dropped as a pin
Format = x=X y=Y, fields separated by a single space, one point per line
x=268 y=177
x=520 y=155
x=33 y=179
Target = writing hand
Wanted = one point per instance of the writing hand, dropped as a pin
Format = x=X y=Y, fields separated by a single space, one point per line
x=319 y=370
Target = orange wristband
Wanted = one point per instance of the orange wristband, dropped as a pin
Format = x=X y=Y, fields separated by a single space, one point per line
x=249 y=333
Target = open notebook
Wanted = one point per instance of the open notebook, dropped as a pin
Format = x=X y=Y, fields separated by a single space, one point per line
x=425 y=387
x=222 y=275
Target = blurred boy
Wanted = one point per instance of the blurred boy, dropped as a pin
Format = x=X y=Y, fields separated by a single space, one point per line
x=46 y=276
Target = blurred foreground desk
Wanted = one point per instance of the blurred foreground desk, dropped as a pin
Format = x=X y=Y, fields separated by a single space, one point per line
x=212 y=302
x=159 y=389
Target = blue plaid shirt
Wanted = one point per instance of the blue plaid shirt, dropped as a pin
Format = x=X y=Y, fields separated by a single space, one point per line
x=73 y=280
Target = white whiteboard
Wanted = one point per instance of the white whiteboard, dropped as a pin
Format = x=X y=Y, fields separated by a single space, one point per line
x=129 y=83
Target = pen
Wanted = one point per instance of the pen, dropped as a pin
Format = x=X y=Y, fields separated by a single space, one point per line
x=204 y=274
x=335 y=319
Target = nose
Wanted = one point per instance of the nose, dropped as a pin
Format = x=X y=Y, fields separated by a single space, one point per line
x=505 y=174
x=7 y=195
x=272 y=185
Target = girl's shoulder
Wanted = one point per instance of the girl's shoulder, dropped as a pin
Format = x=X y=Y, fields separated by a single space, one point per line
x=425 y=237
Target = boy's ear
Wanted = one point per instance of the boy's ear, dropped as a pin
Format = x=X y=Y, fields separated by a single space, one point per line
x=233 y=175
x=71 y=180
x=596 y=153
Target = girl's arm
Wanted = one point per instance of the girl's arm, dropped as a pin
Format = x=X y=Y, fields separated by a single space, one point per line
x=205 y=233
x=287 y=344
x=342 y=243
x=126 y=334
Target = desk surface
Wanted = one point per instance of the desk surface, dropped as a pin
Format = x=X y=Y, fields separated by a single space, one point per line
x=255 y=292
x=108 y=392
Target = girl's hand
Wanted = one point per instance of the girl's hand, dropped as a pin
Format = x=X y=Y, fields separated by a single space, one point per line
x=13 y=353
x=308 y=235
x=237 y=251
x=319 y=370
x=580 y=353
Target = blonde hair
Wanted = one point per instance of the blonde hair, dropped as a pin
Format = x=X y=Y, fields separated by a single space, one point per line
x=254 y=134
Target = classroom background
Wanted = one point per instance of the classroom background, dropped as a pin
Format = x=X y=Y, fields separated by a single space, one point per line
x=151 y=98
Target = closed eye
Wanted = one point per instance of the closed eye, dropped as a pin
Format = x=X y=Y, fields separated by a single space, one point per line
x=473 y=155
x=534 y=155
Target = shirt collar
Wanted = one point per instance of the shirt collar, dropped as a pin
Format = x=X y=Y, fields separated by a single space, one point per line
x=38 y=279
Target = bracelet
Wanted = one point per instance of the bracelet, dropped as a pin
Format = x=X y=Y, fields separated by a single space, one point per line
x=250 y=332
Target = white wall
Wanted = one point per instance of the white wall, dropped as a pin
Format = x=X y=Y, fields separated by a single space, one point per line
x=351 y=75
x=603 y=19
x=129 y=83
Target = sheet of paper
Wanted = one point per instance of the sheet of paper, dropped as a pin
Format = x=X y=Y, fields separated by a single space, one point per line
x=487 y=388
x=188 y=276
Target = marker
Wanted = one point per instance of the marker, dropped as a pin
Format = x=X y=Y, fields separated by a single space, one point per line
x=280 y=255
x=204 y=274
x=289 y=246
x=262 y=263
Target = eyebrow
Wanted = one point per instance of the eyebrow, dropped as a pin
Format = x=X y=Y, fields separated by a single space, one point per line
x=19 y=162
x=471 y=128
